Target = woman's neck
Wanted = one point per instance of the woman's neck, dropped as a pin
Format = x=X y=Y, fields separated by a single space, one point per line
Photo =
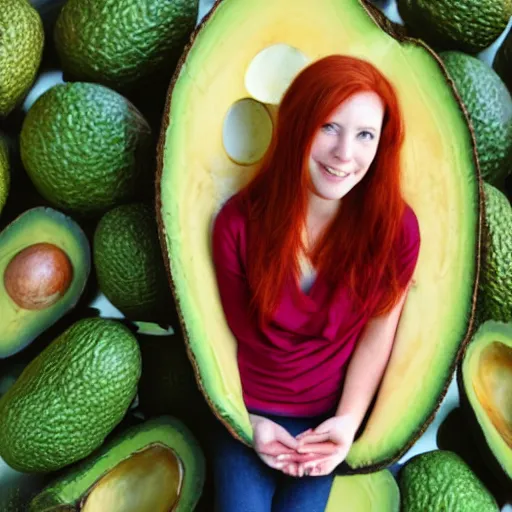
x=319 y=215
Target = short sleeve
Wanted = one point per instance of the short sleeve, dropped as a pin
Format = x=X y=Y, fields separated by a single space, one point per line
x=408 y=245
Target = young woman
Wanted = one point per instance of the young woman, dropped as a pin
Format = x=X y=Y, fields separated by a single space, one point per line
x=313 y=259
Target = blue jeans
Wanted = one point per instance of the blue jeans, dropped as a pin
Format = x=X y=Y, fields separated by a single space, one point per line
x=244 y=483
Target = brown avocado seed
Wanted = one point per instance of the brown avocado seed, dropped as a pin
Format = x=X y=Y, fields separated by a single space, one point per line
x=38 y=276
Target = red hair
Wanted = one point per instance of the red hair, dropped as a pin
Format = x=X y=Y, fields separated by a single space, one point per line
x=357 y=247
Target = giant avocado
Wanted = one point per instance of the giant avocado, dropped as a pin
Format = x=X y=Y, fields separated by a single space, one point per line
x=485 y=385
x=70 y=397
x=21 y=50
x=441 y=481
x=215 y=129
x=119 y=42
x=156 y=466
x=45 y=261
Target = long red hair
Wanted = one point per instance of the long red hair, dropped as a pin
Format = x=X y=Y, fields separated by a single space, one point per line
x=357 y=247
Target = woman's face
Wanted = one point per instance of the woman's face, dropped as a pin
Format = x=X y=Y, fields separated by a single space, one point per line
x=345 y=146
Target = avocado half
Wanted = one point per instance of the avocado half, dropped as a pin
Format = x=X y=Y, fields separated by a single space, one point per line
x=55 y=250
x=217 y=126
x=156 y=466
x=485 y=386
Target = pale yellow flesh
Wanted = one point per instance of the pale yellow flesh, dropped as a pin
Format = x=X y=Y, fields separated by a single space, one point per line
x=149 y=481
x=493 y=387
x=439 y=183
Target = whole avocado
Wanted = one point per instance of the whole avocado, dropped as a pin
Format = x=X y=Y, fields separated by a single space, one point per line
x=441 y=480
x=86 y=148
x=489 y=106
x=465 y=25
x=21 y=50
x=70 y=397
x=119 y=42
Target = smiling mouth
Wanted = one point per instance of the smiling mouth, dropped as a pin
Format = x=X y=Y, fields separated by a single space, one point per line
x=334 y=172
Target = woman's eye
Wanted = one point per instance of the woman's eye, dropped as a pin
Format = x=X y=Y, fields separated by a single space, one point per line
x=366 y=135
x=329 y=128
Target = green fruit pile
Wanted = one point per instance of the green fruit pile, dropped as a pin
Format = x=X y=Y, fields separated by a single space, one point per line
x=111 y=171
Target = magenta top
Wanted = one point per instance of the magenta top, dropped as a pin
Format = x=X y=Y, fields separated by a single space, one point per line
x=295 y=365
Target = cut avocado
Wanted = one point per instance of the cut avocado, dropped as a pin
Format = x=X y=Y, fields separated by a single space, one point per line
x=70 y=397
x=4 y=172
x=440 y=174
x=441 y=480
x=495 y=287
x=21 y=50
x=153 y=467
x=125 y=43
x=466 y=25
x=45 y=261
x=485 y=386
x=375 y=492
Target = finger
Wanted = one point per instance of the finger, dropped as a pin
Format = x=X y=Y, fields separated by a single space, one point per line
x=315 y=438
x=286 y=438
x=302 y=434
x=299 y=458
x=315 y=464
x=275 y=448
x=325 y=448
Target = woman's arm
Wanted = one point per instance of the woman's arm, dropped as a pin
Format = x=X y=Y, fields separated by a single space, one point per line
x=367 y=365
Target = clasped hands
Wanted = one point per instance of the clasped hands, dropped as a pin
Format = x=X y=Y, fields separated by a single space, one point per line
x=314 y=452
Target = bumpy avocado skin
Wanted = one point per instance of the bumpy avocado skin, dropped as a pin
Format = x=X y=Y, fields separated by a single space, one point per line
x=70 y=397
x=19 y=327
x=440 y=480
x=168 y=431
x=495 y=287
x=497 y=457
x=466 y=25
x=4 y=173
x=129 y=264
x=21 y=50
x=119 y=42
x=489 y=105
x=86 y=148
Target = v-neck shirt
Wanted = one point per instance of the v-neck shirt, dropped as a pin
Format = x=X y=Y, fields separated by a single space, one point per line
x=295 y=364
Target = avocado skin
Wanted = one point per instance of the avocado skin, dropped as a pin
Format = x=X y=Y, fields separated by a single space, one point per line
x=441 y=480
x=68 y=489
x=21 y=51
x=4 y=173
x=70 y=397
x=495 y=287
x=129 y=264
x=476 y=430
x=465 y=25
x=489 y=106
x=120 y=42
x=502 y=63
x=86 y=148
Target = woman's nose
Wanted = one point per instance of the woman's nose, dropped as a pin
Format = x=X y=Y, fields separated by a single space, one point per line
x=343 y=148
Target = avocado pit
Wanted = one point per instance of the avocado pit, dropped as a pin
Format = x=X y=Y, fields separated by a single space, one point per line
x=148 y=481
x=38 y=276
x=493 y=387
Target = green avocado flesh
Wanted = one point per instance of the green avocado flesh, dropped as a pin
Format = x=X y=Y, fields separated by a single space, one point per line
x=154 y=467
x=485 y=384
x=374 y=492
x=440 y=182
x=20 y=326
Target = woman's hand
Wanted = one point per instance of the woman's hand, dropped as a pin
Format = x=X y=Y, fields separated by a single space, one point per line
x=333 y=439
x=276 y=447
